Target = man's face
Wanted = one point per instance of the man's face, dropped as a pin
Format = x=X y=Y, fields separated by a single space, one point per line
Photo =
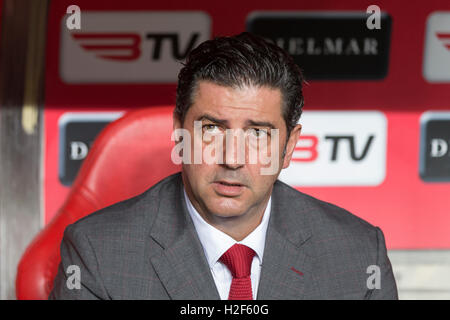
x=234 y=188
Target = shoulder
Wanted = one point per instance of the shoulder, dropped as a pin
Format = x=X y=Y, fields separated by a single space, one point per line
x=341 y=246
x=328 y=223
x=134 y=215
x=319 y=211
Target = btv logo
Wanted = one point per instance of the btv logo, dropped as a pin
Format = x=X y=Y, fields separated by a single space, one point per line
x=127 y=46
x=436 y=65
x=130 y=47
x=339 y=148
x=313 y=142
x=445 y=38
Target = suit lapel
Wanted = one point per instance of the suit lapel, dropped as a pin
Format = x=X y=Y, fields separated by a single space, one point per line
x=184 y=272
x=286 y=272
x=178 y=259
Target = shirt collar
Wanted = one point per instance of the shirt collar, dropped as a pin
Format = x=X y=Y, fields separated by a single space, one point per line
x=216 y=242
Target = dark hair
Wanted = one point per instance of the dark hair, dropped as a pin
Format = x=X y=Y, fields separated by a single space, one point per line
x=242 y=60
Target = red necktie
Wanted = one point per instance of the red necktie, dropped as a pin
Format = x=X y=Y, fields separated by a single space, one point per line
x=239 y=259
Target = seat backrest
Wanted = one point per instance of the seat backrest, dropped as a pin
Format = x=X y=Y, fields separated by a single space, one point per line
x=130 y=155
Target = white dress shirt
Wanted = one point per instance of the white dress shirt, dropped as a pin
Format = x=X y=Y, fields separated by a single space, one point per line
x=215 y=243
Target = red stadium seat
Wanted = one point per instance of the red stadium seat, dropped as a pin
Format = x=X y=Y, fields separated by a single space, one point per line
x=129 y=156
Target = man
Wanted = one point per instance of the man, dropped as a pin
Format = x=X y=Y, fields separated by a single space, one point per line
x=228 y=229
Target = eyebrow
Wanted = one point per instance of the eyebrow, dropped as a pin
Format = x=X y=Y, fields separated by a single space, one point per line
x=260 y=124
x=212 y=119
x=225 y=122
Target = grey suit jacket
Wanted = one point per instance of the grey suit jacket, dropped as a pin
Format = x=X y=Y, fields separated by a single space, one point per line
x=147 y=248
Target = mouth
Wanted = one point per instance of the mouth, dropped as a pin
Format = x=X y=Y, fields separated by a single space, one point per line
x=228 y=188
x=230 y=183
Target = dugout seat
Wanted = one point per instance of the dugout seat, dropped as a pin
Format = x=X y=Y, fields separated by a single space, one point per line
x=130 y=155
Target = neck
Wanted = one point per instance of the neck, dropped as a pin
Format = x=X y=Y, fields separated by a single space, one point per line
x=237 y=227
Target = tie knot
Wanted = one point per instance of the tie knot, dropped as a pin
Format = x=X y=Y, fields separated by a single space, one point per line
x=238 y=259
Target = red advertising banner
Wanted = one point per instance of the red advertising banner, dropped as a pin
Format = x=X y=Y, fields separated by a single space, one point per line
x=376 y=122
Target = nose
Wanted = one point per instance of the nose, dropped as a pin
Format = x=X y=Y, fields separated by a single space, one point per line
x=234 y=166
x=235 y=153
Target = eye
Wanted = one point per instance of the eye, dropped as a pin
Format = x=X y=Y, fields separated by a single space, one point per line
x=211 y=128
x=258 y=133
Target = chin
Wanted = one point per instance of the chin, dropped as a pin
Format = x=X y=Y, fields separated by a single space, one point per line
x=227 y=214
x=226 y=208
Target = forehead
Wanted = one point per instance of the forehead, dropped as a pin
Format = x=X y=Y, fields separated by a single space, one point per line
x=249 y=102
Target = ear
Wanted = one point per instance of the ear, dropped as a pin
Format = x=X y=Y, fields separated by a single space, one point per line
x=176 y=121
x=176 y=126
x=290 y=145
